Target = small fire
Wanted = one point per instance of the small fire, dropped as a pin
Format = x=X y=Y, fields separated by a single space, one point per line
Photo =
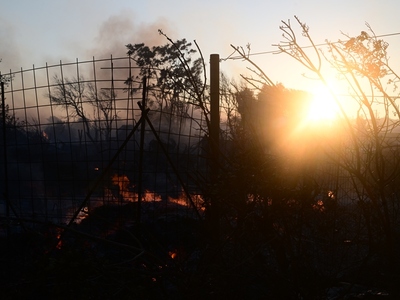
x=122 y=181
x=45 y=135
x=172 y=254
x=125 y=190
x=184 y=200
x=319 y=206
x=150 y=196
x=181 y=200
x=60 y=243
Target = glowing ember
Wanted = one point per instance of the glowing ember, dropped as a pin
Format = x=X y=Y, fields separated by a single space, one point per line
x=172 y=254
x=184 y=200
x=60 y=243
x=150 y=196
x=125 y=192
x=319 y=206
x=83 y=214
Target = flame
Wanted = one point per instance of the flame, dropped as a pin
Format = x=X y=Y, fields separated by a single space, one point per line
x=60 y=243
x=122 y=181
x=150 y=196
x=183 y=200
x=172 y=254
x=45 y=135
x=124 y=190
x=319 y=206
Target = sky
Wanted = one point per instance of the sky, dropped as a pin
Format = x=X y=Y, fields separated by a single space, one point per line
x=43 y=31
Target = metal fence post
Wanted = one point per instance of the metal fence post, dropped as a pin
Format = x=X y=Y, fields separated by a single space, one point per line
x=141 y=150
x=3 y=111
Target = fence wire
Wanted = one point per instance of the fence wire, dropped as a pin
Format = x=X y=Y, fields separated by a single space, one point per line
x=70 y=137
x=96 y=165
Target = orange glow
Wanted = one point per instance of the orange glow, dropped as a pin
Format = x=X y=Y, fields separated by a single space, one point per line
x=126 y=193
x=319 y=206
x=150 y=196
x=184 y=201
x=172 y=254
x=122 y=181
x=59 y=244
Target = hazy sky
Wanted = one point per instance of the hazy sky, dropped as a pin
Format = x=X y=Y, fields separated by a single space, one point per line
x=40 y=31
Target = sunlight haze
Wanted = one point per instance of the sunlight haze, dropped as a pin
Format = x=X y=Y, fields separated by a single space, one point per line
x=36 y=32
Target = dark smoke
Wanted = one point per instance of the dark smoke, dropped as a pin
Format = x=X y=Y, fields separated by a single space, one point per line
x=119 y=30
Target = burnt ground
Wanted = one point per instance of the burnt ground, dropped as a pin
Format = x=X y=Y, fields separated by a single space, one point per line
x=169 y=256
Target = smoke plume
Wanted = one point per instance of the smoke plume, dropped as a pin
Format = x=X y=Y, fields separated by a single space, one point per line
x=120 y=30
x=9 y=52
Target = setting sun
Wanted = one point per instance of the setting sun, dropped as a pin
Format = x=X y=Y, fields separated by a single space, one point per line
x=322 y=106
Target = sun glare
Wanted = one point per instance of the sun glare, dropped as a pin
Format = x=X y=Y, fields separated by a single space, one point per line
x=322 y=106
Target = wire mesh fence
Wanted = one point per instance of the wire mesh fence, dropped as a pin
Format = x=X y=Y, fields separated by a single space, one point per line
x=95 y=163
x=75 y=138
x=87 y=154
x=78 y=136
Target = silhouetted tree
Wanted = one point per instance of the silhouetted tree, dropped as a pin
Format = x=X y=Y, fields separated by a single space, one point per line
x=368 y=154
x=176 y=79
x=84 y=102
x=288 y=202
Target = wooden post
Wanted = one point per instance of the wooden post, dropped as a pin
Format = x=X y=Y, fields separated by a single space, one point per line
x=214 y=102
x=214 y=142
